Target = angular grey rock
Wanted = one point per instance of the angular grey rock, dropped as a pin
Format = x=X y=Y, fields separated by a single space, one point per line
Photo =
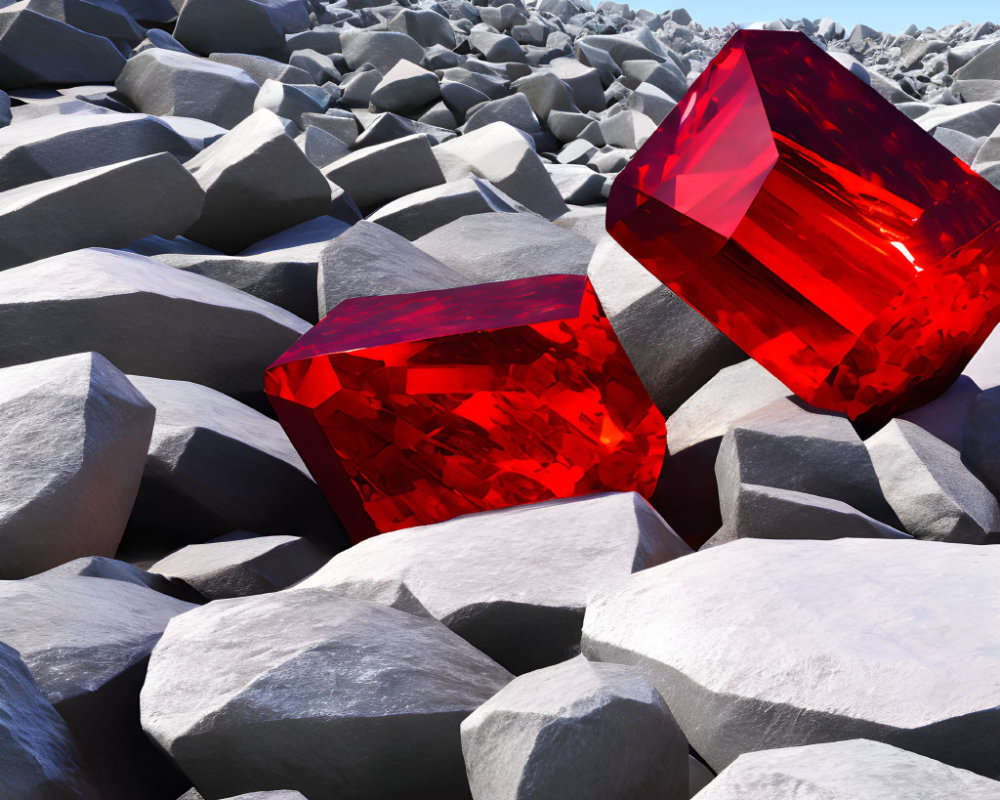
x=664 y=75
x=420 y=213
x=321 y=147
x=40 y=760
x=388 y=726
x=384 y=172
x=764 y=512
x=257 y=182
x=546 y=93
x=292 y=101
x=514 y=110
x=36 y=50
x=583 y=81
x=166 y=83
x=566 y=126
x=788 y=446
x=674 y=349
x=628 y=129
x=578 y=729
x=979 y=79
x=579 y=151
x=588 y=221
x=242 y=564
x=505 y=157
x=5 y=115
x=426 y=27
x=498 y=247
x=495 y=46
x=337 y=122
x=762 y=644
x=216 y=465
x=404 y=88
x=319 y=67
x=961 y=144
x=56 y=145
x=86 y=642
x=106 y=206
x=145 y=317
x=239 y=26
x=280 y=794
x=383 y=49
x=846 y=770
x=356 y=88
x=932 y=492
x=578 y=184
x=370 y=259
x=975 y=118
x=262 y=69
x=526 y=573
x=978 y=441
x=109 y=19
x=114 y=570
x=386 y=127
x=699 y=776
x=72 y=445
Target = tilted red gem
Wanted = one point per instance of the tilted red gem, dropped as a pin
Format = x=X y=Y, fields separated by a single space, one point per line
x=413 y=409
x=818 y=227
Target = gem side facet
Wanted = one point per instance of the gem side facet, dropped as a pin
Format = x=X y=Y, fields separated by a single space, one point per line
x=818 y=227
x=413 y=409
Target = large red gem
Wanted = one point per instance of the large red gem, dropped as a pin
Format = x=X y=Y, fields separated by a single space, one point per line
x=416 y=408
x=817 y=226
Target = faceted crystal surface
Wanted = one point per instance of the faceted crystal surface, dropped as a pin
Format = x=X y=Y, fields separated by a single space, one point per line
x=413 y=409
x=818 y=227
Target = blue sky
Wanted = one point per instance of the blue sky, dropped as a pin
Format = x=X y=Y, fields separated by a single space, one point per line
x=891 y=16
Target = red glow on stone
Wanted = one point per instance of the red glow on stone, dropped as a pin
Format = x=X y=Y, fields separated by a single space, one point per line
x=818 y=227
x=413 y=409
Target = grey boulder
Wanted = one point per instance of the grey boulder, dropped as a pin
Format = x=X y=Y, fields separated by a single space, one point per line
x=216 y=465
x=578 y=729
x=257 y=182
x=239 y=26
x=674 y=349
x=147 y=318
x=115 y=570
x=383 y=49
x=168 y=83
x=515 y=582
x=931 y=490
x=242 y=564
x=406 y=87
x=383 y=172
x=106 y=206
x=499 y=246
x=86 y=642
x=56 y=145
x=505 y=157
x=762 y=644
x=370 y=259
x=38 y=757
x=338 y=698
x=72 y=445
x=845 y=770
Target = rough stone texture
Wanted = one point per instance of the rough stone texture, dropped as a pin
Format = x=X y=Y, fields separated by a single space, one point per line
x=383 y=49
x=56 y=145
x=577 y=729
x=73 y=439
x=386 y=727
x=406 y=87
x=789 y=446
x=383 y=172
x=38 y=758
x=86 y=641
x=216 y=465
x=106 y=206
x=765 y=512
x=505 y=157
x=242 y=564
x=257 y=182
x=674 y=349
x=761 y=644
x=370 y=260
x=499 y=246
x=932 y=492
x=514 y=583
x=146 y=318
x=241 y=26
x=846 y=770
x=165 y=82
x=420 y=213
x=114 y=570
x=36 y=49
x=979 y=439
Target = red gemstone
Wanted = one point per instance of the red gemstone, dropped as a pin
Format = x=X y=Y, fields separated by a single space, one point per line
x=818 y=227
x=413 y=409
